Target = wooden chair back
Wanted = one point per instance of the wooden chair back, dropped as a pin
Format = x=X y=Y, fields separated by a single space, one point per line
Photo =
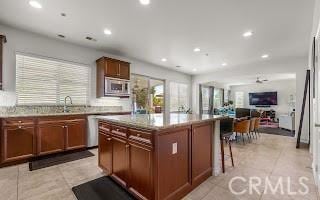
x=242 y=126
x=252 y=123
x=257 y=124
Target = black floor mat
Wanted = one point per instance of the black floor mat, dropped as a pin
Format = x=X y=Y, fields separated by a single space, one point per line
x=277 y=131
x=103 y=188
x=58 y=159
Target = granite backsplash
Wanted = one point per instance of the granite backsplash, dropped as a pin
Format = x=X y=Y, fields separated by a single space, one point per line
x=56 y=110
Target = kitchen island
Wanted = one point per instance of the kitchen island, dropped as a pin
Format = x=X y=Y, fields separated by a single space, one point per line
x=158 y=156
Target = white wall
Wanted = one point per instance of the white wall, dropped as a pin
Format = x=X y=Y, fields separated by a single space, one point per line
x=284 y=88
x=297 y=65
x=27 y=42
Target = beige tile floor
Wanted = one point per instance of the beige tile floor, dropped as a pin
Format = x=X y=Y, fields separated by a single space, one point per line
x=270 y=156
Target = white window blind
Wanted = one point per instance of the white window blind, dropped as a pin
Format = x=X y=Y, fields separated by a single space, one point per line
x=179 y=96
x=239 y=96
x=44 y=81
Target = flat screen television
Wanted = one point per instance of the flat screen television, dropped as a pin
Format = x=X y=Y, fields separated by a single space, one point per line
x=263 y=98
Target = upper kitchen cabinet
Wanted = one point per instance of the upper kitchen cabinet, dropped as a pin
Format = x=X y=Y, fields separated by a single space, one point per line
x=113 y=68
x=2 y=40
x=113 y=77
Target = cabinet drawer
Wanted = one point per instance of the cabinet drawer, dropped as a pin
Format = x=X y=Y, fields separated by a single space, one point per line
x=18 y=122
x=140 y=136
x=119 y=131
x=104 y=127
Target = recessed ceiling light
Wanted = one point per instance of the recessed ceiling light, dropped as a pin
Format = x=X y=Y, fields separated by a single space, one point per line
x=265 y=56
x=224 y=64
x=35 y=4
x=145 y=2
x=164 y=60
x=247 y=34
x=194 y=69
x=196 y=49
x=107 y=31
x=63 y=14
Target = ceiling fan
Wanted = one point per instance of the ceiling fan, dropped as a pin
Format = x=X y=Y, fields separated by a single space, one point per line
x=261 y=81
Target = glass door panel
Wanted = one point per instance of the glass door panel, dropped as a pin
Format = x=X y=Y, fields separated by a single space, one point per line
x=147 y=95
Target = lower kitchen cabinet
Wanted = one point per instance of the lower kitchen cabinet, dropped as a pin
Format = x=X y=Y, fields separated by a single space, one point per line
x=201 y=151
x=120 y=156
x=75 y=134
x=140 y=170
x=51 y=137
x=105 y=152
x=156 y=164
x=18 y=142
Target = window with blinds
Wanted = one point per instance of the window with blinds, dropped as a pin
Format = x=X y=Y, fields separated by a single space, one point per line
x=179 y=97
x=47 y=82
x=239 y=97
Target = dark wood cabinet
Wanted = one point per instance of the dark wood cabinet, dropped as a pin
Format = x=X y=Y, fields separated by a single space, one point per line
x=105 y=152
x=155 y=165
x=75 y=134
x=124 y=70
x=120 y=152
x=61 y=134
x=18 y=142
x=201 y=151
x=112 y=68
x=51 y=137
x=141 y=170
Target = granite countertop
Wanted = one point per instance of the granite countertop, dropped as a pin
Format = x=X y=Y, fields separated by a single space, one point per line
x=159 y=121
x=37 y=111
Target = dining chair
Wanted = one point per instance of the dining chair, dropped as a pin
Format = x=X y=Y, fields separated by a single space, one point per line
x=257 y=126
x=242 y=127
x=226 y=131
x=252 y=126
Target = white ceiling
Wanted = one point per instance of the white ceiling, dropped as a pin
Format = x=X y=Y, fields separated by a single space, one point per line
x=251 y=79
x=173 y=28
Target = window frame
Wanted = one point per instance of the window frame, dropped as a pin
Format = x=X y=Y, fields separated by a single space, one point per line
x=188 y=95
x=58 y=102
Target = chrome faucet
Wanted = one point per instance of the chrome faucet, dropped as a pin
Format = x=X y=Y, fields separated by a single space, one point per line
x=65 y=108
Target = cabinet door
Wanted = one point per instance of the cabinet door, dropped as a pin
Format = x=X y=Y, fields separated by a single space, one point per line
x=112 y=68
x=124 y=70
x=105 y=152
x=120 y=160
x=140 y=170
x=75 y=134
x=18 y=142
x=51 y=138
x=201 y=151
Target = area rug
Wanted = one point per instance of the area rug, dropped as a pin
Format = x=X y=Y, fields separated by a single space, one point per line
x=276 y=131
x=103 y=188
x=56 y=159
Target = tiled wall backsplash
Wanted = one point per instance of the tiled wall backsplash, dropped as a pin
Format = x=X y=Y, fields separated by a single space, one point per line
x=7 y=98
x=38 y=110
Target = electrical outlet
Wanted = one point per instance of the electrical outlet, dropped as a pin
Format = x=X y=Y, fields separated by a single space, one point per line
x=174 y=148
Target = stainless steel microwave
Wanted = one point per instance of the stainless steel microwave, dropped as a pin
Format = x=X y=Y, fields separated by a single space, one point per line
x=116 y=87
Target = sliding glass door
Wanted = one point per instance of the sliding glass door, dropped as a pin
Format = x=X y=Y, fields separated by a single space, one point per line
x=147 y=94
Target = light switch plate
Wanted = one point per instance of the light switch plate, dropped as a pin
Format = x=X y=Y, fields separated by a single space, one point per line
x=174 y=148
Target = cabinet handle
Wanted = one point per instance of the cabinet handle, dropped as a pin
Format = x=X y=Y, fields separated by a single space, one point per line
x=62 y=126
x=117 y=129
x=20 y=122
x=138 y=135
x=20 y=127
x=109 y=139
